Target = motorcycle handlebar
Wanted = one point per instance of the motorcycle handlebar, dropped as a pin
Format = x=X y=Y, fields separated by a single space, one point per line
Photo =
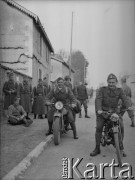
x=49 y=104
x=109 y=113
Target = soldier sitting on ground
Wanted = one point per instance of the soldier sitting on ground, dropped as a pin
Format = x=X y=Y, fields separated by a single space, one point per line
x=17 y=115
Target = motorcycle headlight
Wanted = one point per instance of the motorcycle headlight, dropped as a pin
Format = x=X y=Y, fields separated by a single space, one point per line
x=59 y=105
x=114 y=117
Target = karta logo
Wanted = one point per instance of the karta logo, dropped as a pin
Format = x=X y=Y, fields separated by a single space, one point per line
x=71 y=170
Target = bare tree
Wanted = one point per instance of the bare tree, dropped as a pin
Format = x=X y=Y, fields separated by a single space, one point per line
x=62 y=54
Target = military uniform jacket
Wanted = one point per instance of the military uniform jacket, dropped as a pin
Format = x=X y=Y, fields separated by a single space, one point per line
x=26 y=96
x=16 y=111
x=82 y=92
x=107 y=99
x=64 y=95
x=127 y=90
x=9 y=97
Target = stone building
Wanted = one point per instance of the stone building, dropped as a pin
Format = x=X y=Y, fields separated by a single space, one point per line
x=25 y=46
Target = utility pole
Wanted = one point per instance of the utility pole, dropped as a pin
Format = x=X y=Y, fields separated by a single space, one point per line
x=71 y=46
x=84 y=71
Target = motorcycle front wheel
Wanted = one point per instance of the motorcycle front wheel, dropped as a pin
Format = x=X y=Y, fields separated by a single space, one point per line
x=56 y=131
x=118 y=151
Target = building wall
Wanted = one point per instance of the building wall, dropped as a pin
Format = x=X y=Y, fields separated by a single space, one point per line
x=16 y=39
x=56 y=69
x=41 y=54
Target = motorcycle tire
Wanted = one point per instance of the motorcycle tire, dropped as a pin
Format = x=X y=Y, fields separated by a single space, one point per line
x=118 y=151
x=56 y=131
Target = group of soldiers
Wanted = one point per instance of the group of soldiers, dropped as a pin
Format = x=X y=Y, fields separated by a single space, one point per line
x=36 y=100
x=23 y=95
x=20 y=99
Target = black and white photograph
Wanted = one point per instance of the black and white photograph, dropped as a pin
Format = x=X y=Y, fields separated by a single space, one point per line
x=67 y=89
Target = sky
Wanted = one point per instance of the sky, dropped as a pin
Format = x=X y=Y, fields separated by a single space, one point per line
x=103 y=30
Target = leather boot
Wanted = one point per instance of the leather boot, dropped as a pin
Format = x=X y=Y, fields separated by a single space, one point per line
x=50 y=129
x=35 y=116
x=80 y=115
x=96 y=151
x=86 y=114
x=97 y=148
x=74 y=130
x=27 y=123
x=132 y=122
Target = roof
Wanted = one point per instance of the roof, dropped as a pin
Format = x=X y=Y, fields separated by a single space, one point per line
x=63 y=62
x=32 y=15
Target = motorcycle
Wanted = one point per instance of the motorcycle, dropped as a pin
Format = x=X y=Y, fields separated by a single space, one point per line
x=59 y=121
x=111 y=133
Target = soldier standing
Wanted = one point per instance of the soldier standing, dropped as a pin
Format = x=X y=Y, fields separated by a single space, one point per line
x=107 y=100
x=25 y=91
x=46 y=91
x=10 y=90
x=128 y=93
x=39 y=100
x=82 y=96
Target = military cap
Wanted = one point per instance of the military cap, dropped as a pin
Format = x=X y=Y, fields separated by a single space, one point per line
x=60 y=78
x=45 y=78
x=39 y=80
x=112 y=76
x=67 y=78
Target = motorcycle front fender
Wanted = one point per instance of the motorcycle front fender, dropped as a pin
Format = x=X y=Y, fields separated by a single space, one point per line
x=57 y=114
x=115 y=129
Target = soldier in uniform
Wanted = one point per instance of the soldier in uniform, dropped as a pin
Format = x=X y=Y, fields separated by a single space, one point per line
x=77 y=109
x=46 y=90
x=25 y=91
x=63 y=94
x=10 y=90
x=82 y=96
x=39 y=100
x=107 y=100
x=17 y=115
x=128 y=93
x=67 y=82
